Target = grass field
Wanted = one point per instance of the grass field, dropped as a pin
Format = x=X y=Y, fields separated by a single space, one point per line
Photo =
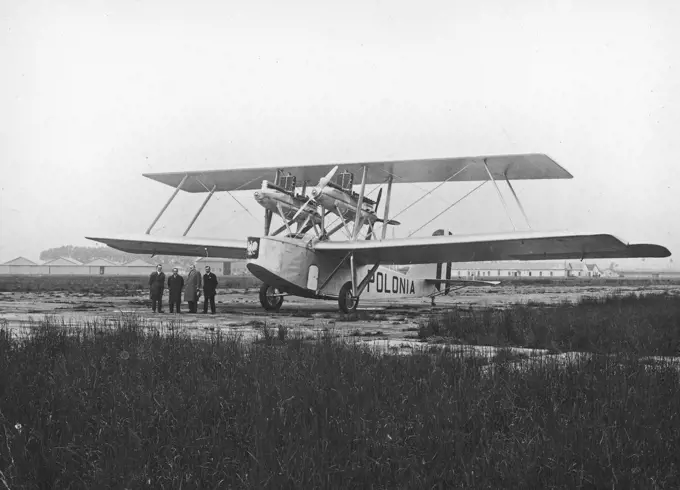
x=642 y=326
x=121 y=406
x=106 y=285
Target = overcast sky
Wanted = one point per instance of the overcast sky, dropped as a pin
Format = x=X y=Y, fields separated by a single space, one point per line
x=94 y=93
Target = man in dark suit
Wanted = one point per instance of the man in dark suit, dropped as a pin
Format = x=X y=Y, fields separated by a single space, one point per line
x=156 y=287
x=209 y=288
x=175 y=285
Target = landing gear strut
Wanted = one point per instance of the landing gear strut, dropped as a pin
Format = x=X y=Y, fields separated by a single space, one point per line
x=271 y=298
x=346 y=300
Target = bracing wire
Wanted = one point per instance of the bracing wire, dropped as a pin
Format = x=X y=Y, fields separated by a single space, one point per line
x=445 y=210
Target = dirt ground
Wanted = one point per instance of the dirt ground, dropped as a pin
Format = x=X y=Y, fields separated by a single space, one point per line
x=241 y=313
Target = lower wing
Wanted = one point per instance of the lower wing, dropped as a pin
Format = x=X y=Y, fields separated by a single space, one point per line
x=522 y=245
x=188 y=246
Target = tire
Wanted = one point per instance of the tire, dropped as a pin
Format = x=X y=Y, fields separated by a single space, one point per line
x=347 y=302
x=268 y=302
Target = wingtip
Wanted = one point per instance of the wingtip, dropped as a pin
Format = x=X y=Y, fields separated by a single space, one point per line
x=647 y=250
x=567 y=175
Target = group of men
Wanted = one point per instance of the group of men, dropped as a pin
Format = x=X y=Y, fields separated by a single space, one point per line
x=192 y=291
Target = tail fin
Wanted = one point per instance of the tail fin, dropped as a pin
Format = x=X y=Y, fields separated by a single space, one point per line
x=432 y=271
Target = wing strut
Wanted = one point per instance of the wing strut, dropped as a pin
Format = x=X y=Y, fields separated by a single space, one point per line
x=285 y=221
x=212 y=191
x=518 y=203
x=333 y=230
x=364 y=282
x=267 y=213
x=388 y=198
x=344 y=222
x=500 y=195
x=357 y=218
x=177 y=189
x=330 y=276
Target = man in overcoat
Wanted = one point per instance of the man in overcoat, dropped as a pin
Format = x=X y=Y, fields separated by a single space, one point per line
x=193 y=288
x=156 y=287
x=209 y=289
x=175 y=285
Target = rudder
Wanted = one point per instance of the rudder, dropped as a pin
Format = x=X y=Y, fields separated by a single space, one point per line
x=432 y=271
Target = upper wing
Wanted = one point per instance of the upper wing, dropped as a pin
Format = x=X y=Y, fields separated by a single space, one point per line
x=490 y=247
x=189 y=246
x=514 y=167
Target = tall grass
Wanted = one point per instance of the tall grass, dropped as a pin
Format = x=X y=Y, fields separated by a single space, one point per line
x=127 y=407
x=644 y=325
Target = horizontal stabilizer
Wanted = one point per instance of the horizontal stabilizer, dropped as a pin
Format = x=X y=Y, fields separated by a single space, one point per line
x=466 y=282
x=185 y=246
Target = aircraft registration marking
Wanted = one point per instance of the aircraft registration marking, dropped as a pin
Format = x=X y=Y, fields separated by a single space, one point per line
x=391 y=284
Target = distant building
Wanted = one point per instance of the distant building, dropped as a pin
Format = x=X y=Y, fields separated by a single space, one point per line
x=139 y=267
x=65 y=261
x=72 y=267
x=20 y=265
x=98 y=266
x=100 y=262
x=63 y=266
x=222 y=267
x=581 y=269
x=479 y=270
x=650 y=274
x=238 y=268
x=216 y=265
x=20 y=261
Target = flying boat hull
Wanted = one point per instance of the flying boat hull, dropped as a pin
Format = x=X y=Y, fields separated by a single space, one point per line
x=294 y=268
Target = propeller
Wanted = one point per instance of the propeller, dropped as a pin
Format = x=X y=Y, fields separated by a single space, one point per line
x=323 y=182
x=375 y=210
x=377 y=201
x=369 y=235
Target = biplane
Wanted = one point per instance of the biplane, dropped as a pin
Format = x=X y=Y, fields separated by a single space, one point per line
x=328 y=245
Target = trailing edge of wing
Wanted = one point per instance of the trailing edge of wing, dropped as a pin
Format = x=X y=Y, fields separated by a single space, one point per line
x=528 y=245
x=514 y=167
x=187 y=246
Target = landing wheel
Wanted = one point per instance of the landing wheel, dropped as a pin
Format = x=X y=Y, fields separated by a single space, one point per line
x=348 y=303
x=269 y=299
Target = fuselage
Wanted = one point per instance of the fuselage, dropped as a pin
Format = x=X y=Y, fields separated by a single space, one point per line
x=292 y=267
